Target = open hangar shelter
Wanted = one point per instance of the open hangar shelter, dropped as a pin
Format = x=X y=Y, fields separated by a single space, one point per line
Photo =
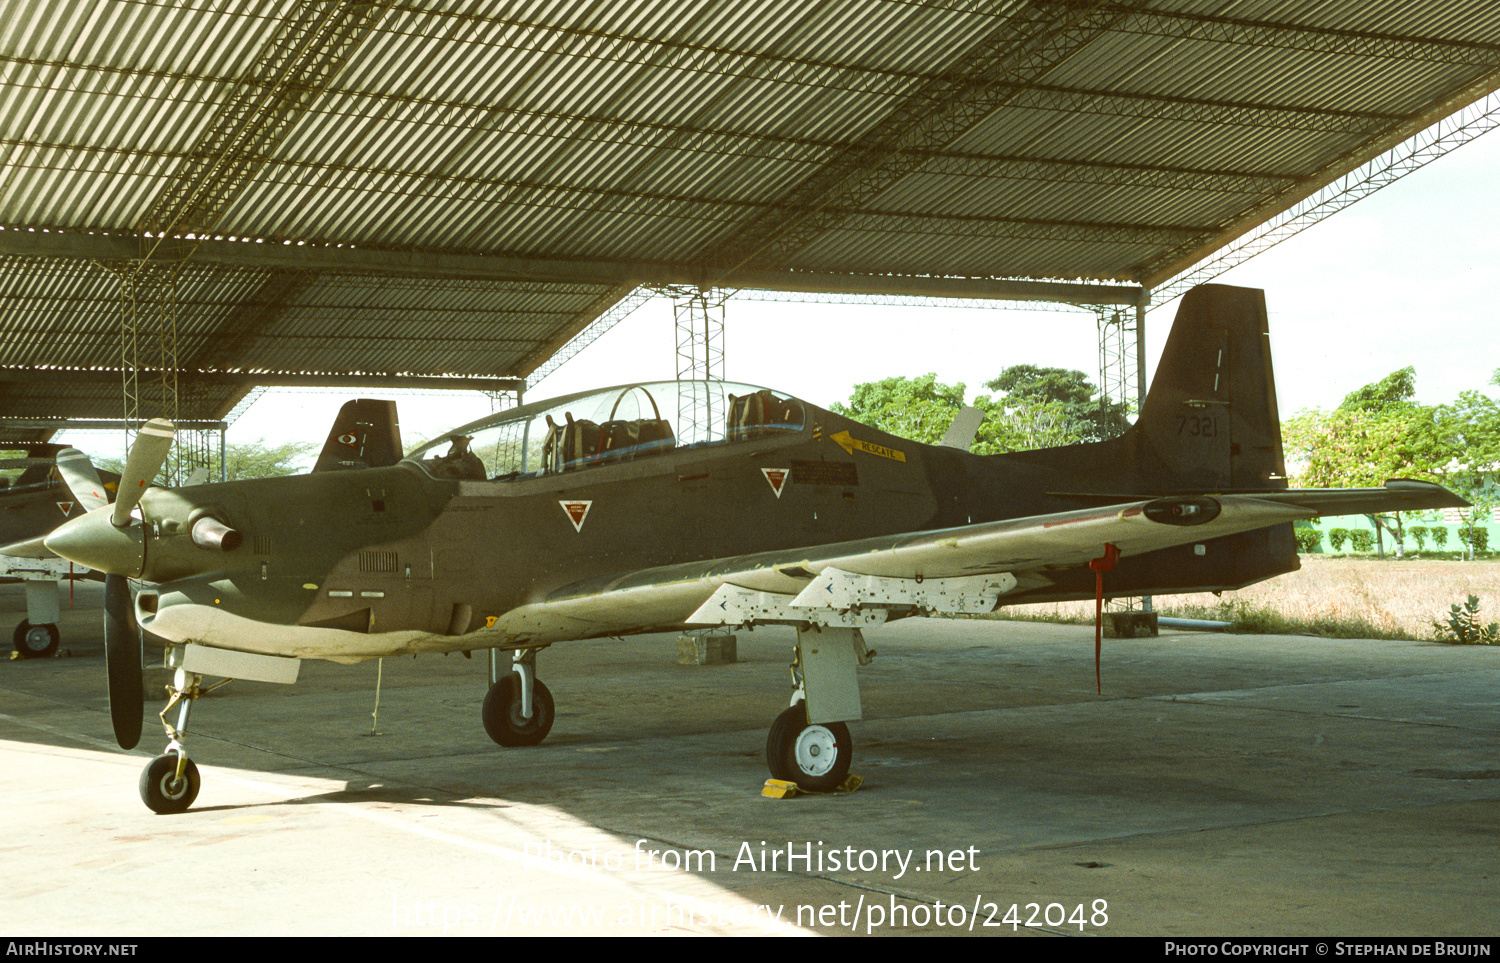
x=202 y=198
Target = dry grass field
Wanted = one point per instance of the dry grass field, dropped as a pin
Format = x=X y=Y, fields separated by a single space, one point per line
x=1344 y=597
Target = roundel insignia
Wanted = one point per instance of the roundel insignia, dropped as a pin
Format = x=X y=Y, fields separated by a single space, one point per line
x=577 y=512
x=348 y=439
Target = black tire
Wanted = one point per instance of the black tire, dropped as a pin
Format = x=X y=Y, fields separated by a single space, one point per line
x=36 y=641
x=778 y=741
x=815 y=757
x=502 y=713
x=162 y=792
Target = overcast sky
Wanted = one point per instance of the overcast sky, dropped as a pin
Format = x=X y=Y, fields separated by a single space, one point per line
x=1397 y=279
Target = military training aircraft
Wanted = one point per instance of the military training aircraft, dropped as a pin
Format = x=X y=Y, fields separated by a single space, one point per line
x=365 y=435
x=595 y=515
x=31 y=506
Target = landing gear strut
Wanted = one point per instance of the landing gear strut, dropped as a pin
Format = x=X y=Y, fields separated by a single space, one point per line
x=518 y=710
x=816 y=755
x=170 y=782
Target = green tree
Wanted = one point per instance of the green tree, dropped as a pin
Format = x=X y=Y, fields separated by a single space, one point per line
x=1473 y=421
x=1067 y=395
x=1378 y=432
x=922 y=409
x=251 y=460
x=259 y=460
x=917 y=408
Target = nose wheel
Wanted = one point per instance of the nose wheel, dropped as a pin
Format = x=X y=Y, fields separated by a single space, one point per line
x=170 y=783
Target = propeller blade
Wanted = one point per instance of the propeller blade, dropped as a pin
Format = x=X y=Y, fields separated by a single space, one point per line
x=122 y=656
x=146 y=457
x=82 y=480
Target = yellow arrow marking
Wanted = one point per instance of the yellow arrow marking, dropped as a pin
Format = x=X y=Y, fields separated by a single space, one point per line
x=851 y=445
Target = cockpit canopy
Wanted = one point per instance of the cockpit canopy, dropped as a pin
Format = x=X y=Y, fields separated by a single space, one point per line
x=619 y=424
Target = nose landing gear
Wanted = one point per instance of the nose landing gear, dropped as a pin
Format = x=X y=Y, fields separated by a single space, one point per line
x=170 y=782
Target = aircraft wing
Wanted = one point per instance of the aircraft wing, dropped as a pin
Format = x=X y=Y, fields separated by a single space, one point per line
x=958 y=569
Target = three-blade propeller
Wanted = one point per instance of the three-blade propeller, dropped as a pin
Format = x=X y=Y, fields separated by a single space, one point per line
x=122 y=634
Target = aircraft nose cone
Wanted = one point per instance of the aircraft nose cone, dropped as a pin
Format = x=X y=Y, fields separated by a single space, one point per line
x=94 y=542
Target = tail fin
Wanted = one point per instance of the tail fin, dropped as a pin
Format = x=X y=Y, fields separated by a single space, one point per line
x=1209 y=422
x=365 y=434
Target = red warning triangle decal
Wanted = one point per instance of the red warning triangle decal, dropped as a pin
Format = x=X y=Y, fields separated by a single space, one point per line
x=777 y=478
x=65 y=506
x=577 y=512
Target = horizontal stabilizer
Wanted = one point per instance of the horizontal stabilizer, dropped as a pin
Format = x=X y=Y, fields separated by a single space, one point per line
x=1397 y=495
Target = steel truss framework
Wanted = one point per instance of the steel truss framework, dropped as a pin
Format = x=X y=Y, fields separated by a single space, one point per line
x=699 y=316
x=355 y=189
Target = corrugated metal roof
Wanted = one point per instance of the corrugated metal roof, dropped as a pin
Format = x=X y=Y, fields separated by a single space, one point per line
x=436 y=187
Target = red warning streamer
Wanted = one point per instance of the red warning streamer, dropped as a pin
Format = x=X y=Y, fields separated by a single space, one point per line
x=1100 y=565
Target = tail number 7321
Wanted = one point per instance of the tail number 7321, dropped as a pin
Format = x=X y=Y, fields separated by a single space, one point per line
x=1198 y=426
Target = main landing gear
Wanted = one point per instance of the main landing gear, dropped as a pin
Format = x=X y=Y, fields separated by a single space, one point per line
x=816 y=755
x=37 y=636
x=518 y=709
x=35 y=641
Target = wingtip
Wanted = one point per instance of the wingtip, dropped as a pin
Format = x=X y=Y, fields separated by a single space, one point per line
x=1426 y=488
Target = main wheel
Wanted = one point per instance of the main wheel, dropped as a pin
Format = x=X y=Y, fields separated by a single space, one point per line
x=502 y=713
x=36 y=641
x=162 y=791
x=815 y=757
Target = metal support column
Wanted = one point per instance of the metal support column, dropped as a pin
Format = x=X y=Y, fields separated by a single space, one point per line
x=1120 y=368
x=699 y=313
x=1122 y=381
x=1141 y=386
x=148 y=339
